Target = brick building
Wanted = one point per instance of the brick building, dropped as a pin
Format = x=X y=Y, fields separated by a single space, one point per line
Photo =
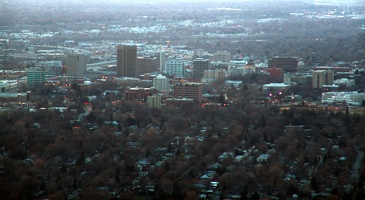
x=137 y=93
x=189 y=90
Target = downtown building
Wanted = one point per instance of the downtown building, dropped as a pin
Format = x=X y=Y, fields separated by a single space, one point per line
x=175 y=67
x=199 y=66
x=212 y=75
x=163 y=58
x=137 y=93
x=222 y=56
x=161 y=83
x=321 y=78
x=287 y=64
x=76 y=65
x=126 y=61
x=189 y=90
x=145 y=65
x=36 y=77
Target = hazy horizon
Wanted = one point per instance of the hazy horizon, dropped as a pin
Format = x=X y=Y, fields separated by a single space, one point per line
x=184 y=1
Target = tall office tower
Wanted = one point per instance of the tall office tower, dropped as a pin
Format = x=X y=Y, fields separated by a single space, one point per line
x=145 y=65
x=76 y=65
x=222 y=56
x=175 y=67
x=161 y=83
x=126 y=60
x=163 y=58
x=322 y=77
x=199 y=66
x=189 y=90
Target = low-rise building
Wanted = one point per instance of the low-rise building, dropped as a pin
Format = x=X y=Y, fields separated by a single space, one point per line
x=350 y=98
x=275 y=86
x=8 y=86
x=137 y=93
x=178 y=102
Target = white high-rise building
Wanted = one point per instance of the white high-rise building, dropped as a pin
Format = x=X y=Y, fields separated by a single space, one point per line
x=76 y=65
x=161 y=83
x=175 y=67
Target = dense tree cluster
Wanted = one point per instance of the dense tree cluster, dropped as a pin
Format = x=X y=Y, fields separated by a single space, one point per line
x=52 y=154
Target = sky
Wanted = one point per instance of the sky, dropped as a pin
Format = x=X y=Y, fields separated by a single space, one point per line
x=192 y=1
x=331 y=2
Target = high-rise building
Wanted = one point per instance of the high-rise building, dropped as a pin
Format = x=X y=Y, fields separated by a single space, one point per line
x=175 y=67
x=161 y=83
x=163 y=58
x=199 y=66
x=126 y=60
x=36 y=77
x=76 y=65
x=189 y=90
x=211 y=75
x=222 y=56
x=322 y=77
x=154 y=101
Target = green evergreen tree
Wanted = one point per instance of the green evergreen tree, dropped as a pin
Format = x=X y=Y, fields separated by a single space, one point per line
x=244 y=194
x=314 y=184
x=81 y=158
x=255 y=196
